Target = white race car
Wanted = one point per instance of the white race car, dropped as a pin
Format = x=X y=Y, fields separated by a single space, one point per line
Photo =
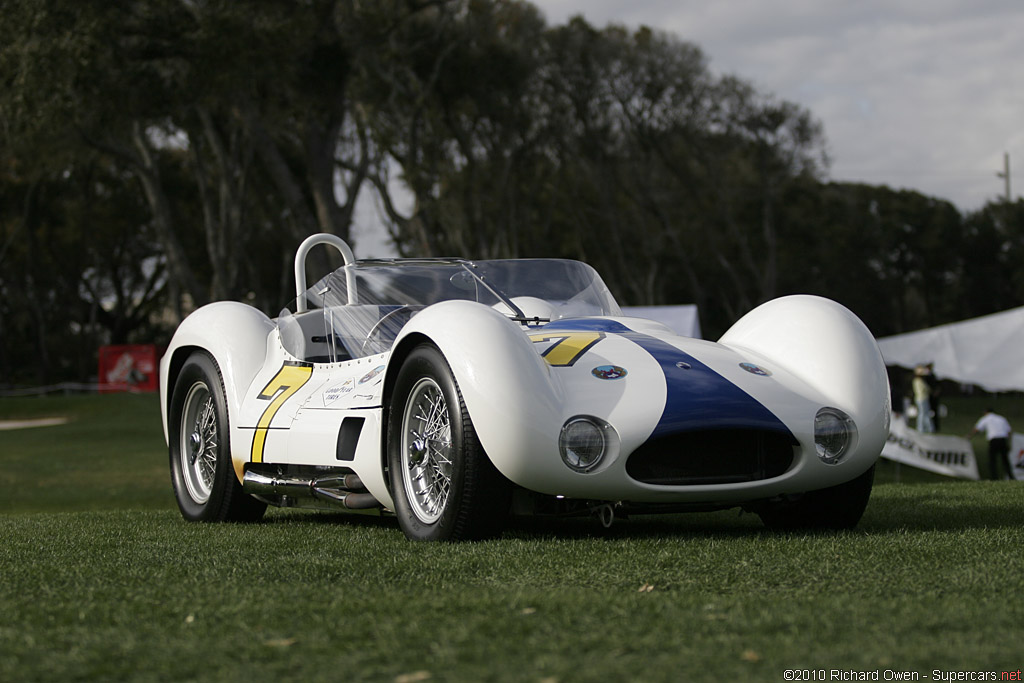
x=454 y=393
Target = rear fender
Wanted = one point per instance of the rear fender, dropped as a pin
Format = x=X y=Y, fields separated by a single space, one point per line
x=235 y=334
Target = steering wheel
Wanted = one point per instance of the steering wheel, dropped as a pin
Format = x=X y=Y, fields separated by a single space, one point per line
x=376 y=329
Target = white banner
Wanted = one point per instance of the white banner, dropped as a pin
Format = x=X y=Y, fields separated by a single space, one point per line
x=952 y=456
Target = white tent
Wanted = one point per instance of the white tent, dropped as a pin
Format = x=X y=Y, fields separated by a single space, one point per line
x=986 y=351
x=682 y=319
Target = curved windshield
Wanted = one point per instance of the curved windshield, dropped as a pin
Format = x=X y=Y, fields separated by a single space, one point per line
x=338 y=324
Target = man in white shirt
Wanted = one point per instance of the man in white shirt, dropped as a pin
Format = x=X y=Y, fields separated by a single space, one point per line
x=997 y=430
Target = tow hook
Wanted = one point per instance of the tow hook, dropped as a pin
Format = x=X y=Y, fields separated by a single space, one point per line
x=605 y=514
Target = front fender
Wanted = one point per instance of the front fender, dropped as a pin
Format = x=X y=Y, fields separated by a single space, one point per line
x=513 y=398
x=826 y=346
x=235 y=334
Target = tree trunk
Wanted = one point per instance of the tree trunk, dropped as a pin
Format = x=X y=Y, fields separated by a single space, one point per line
x=179 y=269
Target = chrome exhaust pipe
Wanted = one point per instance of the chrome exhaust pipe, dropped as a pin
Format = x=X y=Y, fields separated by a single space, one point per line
x=260 y=484
x=345 y=482
x=345 y=490
x=346 y=499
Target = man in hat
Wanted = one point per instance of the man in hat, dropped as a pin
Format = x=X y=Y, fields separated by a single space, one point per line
x=922 y=397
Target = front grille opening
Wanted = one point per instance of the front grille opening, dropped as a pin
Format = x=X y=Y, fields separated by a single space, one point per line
x=712 y=457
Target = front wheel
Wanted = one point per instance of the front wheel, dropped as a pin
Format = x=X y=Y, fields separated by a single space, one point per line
x=444 y=486
x=202 y=474
x=837 y=507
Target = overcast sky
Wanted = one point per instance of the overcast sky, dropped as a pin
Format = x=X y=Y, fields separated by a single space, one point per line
x=918 y=94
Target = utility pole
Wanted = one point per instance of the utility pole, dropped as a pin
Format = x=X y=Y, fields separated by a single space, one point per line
x=1005 y=175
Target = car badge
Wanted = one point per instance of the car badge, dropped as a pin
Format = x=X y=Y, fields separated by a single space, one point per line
x=371 y=374
x=683 y=365
x=609 y=372
x=755 y=369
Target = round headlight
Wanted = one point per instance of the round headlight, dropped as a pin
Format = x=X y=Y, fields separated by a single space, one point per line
x=834 y=433
x=582 y=443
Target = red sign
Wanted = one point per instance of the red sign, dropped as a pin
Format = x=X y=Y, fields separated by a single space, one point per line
x=130 y=367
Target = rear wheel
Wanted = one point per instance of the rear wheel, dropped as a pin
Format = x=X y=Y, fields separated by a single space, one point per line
x=444 y=486
x=837 y=507
x=202 y=474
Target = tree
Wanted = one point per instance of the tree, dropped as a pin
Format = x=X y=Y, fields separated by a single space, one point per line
x=223 y=133
x=617 y=147
x=252 y=100
x=993 y=249
x=895 y=257
x=62 y=296
x=453 y=107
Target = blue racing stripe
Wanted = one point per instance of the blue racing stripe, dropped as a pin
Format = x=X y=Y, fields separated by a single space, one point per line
x=697 y=397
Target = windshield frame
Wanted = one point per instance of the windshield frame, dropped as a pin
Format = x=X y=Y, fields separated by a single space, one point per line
x=527 y=291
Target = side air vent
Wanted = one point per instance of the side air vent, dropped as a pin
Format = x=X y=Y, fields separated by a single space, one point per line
x=348 y=438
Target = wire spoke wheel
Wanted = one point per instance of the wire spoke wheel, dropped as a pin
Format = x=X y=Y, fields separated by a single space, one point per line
x=206 y=486
x=443 y=484
x=426 y=451
x=199 y=444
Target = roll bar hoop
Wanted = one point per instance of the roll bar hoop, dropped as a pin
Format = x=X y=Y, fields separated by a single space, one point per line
x=300 y=267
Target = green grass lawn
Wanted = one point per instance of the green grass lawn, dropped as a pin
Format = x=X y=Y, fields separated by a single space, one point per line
x=109 y=455
x=111 y=584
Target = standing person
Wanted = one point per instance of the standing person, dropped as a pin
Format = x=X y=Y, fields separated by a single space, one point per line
x=997 y=430
x=922 y=397
x=934 y=396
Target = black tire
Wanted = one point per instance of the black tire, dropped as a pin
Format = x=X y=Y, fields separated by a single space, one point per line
x=838 y=507
x=203 y=477
x=443 y=484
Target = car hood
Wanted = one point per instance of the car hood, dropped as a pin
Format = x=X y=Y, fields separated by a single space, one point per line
x=707 y=386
